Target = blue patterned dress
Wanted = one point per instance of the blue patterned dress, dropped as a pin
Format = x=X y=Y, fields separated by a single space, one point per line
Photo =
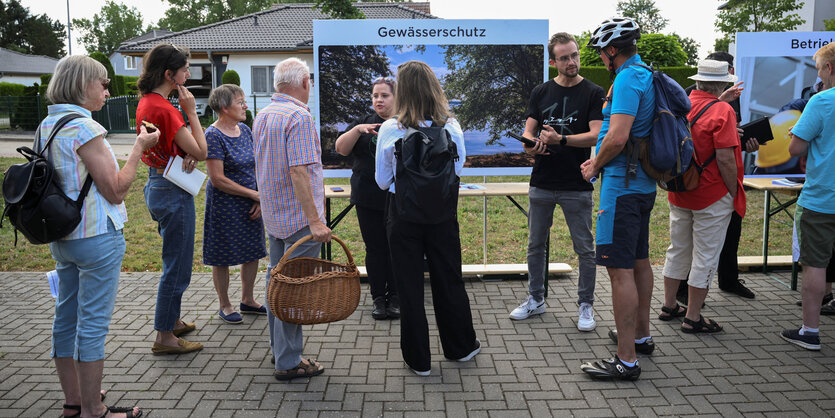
x=229 y=236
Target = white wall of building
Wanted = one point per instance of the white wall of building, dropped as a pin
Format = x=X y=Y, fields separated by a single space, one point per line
x=243 y=63
x=26 y=80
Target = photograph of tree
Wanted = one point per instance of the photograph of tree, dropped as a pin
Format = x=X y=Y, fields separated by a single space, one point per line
x=488 y=87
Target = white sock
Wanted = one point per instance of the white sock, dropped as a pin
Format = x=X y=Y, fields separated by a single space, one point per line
x=804 y=329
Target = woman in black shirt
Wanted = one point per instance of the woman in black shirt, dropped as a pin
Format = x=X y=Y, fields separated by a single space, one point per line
x=360 y=141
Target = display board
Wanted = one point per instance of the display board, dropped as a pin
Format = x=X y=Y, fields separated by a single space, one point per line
x=486 y=67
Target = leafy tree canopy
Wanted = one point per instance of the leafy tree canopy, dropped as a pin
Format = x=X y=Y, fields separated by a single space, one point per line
x=187 y=14
x=829 y=24
x=759 y=16
x=345 y=74
x=690 y=48
x=114 y=24
x=645 y=14
x=655 y=48
x=494 y=83
x=30 y=34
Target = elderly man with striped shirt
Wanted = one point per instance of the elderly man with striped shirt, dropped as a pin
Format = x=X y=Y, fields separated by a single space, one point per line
x=288 y=170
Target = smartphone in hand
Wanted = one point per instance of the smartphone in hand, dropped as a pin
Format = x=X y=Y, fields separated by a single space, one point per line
x=522 y=139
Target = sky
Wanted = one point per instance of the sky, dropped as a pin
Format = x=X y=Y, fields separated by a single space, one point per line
x=694 y=18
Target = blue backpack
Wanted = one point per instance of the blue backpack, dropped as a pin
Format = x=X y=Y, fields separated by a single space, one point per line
x=668 y=150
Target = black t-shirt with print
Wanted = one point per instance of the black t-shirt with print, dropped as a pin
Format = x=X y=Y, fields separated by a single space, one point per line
x=364 y=189
x=568 y=110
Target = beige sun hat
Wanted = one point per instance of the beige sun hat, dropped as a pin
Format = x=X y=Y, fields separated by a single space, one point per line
x=711 y=70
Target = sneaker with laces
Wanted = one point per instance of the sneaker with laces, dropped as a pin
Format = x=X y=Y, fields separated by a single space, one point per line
x=808 y=341
x=611 y=368
x=529 y=307
x=586 y=320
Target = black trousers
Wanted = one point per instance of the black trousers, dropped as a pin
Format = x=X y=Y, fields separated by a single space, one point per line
x=441 y=244
x=377 y=260
x=728 y=270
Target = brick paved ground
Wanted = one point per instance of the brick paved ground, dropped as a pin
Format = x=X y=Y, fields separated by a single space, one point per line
x=526 y=368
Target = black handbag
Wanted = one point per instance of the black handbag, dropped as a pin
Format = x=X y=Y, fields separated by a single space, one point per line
x=35 y=204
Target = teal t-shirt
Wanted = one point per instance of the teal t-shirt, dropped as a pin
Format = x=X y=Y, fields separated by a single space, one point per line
x=632 y=94
x=817 y=127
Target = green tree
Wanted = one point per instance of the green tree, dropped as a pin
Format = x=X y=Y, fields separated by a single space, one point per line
x=722 y=44
x=829 y=24
x=30 y=34
x=690 y=48
x=339 y=9
x=187 y=14
x=655 y=48
x=114 y=24
x=100 y=57
x=494 y=83
x=645 y=14
x=345 y=74
x=758 y=16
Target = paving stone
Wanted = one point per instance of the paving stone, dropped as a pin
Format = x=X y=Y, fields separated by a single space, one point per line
x=526 y=368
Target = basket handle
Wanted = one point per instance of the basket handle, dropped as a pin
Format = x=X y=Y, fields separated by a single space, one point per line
x=285 y=258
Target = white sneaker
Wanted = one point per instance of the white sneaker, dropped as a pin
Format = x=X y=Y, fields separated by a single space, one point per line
x=527 y=308
x=472 y=354
x=586 y=321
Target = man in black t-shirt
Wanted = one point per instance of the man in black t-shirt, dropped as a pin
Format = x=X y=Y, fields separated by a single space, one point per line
x=564 y=117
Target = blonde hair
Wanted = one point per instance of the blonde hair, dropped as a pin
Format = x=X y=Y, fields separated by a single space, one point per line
x=72 y=75
x=290 y=73
x=223 y=96
x=419 y=96
x=827 y=53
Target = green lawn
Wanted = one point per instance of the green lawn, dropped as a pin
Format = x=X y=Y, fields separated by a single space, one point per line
x=506 y=231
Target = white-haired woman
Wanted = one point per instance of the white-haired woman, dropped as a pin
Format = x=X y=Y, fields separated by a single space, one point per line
x=89 y=259
x=233 y=233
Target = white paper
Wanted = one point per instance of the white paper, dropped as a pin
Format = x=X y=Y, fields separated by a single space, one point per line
x=190 y=182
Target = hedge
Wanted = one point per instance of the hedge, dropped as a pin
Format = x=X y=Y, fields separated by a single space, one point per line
x=231 y=77
x=600 y=75
x=11 y=89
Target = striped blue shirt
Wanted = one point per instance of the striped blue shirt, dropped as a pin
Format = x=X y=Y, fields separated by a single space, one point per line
x=71 y=171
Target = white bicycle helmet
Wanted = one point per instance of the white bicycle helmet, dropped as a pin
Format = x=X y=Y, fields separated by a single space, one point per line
x=617 y=32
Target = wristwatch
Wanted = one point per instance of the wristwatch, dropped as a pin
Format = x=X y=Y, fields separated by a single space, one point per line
x=564 y=140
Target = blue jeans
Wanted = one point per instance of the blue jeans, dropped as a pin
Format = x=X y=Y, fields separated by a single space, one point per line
x=173 y=209
x=286 y=339
x=577 y=208
x=88 y=269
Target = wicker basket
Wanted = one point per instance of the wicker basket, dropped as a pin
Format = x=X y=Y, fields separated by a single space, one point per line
x=306 y=290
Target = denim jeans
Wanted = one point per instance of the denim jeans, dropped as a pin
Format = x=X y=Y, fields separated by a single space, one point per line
x=173 y=209
x=88 y=269
x=577 y=210
x=286 y=339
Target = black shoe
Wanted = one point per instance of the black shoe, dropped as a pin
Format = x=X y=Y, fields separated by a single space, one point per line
x=393 y=307
x=739 y=289
x=612 y=368
x=809 y=342
x=826 y=299
x=828 y=309
x=682 y=294
x=379 y=311
x=646 y=347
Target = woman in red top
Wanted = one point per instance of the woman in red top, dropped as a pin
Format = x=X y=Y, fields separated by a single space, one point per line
x=165 y=70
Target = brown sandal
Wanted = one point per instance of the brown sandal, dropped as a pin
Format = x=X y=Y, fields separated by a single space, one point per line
x=309 y=369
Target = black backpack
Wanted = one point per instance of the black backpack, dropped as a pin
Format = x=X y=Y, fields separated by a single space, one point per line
x=35 y=203
x=426 y=186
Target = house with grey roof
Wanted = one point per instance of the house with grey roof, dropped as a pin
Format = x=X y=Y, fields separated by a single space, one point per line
x=16 y=67
x=131 y=64
x=252 y=44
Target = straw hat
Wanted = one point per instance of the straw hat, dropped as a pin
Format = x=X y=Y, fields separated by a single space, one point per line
x=710 y=70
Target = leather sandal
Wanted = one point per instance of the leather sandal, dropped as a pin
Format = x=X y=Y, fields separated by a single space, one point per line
x=309 y=369
x=676 y=312
x=701 y=326
x=77 y=408
x=116 y=410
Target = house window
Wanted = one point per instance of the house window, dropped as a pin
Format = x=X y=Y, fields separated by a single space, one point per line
x=130 y=62
x=262 y=79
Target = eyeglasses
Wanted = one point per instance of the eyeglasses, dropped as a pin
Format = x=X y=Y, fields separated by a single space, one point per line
x=566 y=58
x=242 y=103
x=106 y=83
x=383 y=80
